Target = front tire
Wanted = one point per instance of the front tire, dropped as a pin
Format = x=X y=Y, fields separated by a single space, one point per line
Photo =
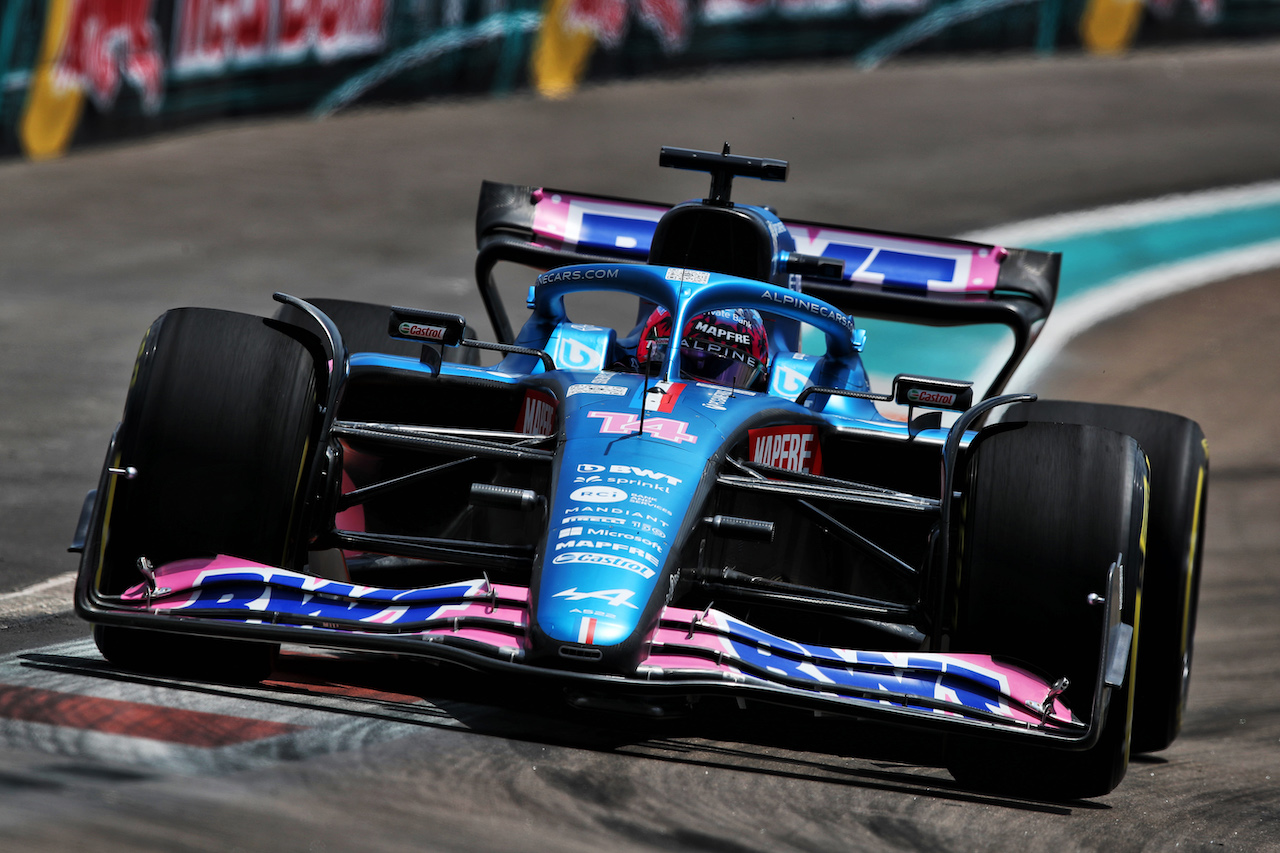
x=1048 y=509
x=1179 y=458
x=219 y=423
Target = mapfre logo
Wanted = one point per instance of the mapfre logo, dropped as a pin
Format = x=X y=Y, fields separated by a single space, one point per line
x=537 y=414
x=791 y=448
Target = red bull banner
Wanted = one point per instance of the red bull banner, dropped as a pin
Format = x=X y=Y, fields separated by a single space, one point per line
x=73 y=72
x=222 y=36
x=107 y=42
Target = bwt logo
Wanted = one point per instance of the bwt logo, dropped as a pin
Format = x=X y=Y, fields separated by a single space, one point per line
x=925 y=396
x=426 y=333
x=628 y=470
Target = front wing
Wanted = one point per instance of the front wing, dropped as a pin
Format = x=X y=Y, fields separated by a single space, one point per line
x=483 y=626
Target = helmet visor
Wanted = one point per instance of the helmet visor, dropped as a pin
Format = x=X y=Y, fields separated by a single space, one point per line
x=727 y=367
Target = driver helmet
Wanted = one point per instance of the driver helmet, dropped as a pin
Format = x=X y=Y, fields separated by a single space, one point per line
x=728 y=346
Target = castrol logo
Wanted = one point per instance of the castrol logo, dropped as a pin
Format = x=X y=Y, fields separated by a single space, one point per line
x=933 y=398
x=417 y=330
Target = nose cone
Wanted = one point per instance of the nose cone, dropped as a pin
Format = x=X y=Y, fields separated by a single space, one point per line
x=625 y=496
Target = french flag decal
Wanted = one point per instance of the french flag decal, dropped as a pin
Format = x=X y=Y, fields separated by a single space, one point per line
x=587 y=630
x=664 y=401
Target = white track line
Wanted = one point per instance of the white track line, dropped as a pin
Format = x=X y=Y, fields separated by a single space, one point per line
x=1130 y=215
x=1126 y=293
x=48 y=597
x=37 y=588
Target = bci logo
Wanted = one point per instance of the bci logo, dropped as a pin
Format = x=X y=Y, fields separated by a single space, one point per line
x=599 y=495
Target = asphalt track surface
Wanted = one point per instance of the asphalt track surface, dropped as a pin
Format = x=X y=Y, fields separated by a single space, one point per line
x=378 y=205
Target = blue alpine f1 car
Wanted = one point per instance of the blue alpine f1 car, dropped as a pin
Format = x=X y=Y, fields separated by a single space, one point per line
x=707 y=501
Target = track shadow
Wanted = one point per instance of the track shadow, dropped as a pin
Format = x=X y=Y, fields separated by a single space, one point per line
x=710 y=734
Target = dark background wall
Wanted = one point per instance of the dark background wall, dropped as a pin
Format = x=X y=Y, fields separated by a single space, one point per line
x=77 y=72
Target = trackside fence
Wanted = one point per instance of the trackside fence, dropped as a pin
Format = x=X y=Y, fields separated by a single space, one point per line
x=73 y=72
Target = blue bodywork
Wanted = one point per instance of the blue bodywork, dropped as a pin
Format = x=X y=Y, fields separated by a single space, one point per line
x=562 y=513
x=627 y=489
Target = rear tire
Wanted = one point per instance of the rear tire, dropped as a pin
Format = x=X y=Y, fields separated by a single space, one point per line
x=1048 y=509
x=1178 y=453
x=219 y=424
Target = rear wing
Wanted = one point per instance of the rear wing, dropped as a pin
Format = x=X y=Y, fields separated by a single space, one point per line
x=888 y=276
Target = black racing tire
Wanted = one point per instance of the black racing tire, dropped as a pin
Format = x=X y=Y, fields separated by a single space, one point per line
x=1048 y=509
x=220 y=424
x=1178 y=454
x=363 y=326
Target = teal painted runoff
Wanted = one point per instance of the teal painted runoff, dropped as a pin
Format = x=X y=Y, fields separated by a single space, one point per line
x=1089 y=261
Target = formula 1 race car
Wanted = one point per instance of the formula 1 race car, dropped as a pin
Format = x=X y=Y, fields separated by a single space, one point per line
x=708 y=500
